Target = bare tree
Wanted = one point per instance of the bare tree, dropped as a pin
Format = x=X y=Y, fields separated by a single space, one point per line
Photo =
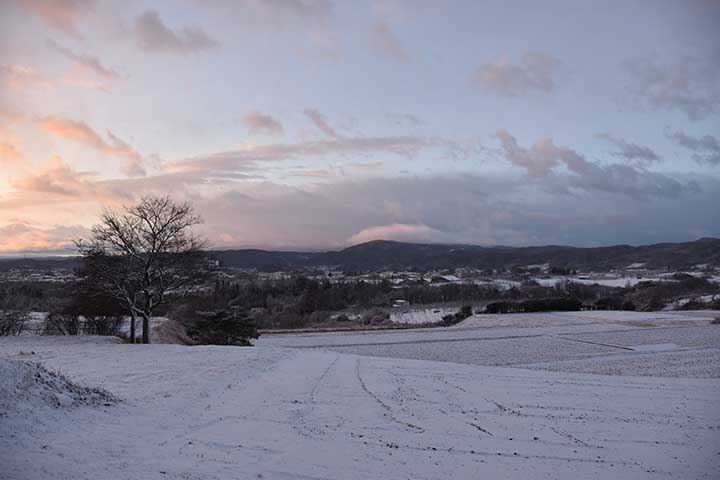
x=143 y=254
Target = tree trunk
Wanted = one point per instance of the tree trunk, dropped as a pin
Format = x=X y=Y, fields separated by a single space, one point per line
x=146 y=329
x=132 y=327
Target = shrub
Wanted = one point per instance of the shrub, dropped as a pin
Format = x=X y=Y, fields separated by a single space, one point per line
x=454 y=318
x=102 y=325
x=552 y=304
x=11 y=322
x=609 y=303
x=223 y=328
x=563 y=304
x=629 y=306
x=67 y=322
x=61 y=322
x=376 y=316
x=502 y=307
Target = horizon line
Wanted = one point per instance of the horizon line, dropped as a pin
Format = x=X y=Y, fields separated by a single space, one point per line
x=63 y=253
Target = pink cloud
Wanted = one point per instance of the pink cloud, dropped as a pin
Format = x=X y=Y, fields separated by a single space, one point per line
x=21 y=237
x=384 y=40
x=55 y=177
x=257 y=122
x=62 y=15
x=83 y=134
x=86 y=61
x=534 y=74
x=10 y=156
x=319 y=120
x=402 y=232
x=19 y=77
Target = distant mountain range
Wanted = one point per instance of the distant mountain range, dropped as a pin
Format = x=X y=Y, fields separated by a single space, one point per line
x=382 y=254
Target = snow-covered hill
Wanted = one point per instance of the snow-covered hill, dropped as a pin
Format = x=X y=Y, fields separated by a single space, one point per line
x=265 y=412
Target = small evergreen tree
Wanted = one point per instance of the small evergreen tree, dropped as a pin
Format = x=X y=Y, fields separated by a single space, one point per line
x=224 y=328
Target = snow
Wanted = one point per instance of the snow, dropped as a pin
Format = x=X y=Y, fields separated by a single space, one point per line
x=499 y=283
x=29 y=386
x=684 y=301
x=699 y=363
x=35 y=324
x=539 y=339
x=616 y=282
x=416 y=316
x=605 y=280
x=551 y=281
x=307 y=406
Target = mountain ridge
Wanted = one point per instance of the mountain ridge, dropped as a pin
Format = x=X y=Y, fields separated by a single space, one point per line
x=389 y=254
x=379 y=254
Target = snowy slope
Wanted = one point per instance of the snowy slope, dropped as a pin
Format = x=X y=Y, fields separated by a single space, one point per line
x=226 y=412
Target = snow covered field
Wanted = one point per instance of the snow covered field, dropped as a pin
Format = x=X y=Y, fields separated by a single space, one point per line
x=296 y=413
x=620 y=343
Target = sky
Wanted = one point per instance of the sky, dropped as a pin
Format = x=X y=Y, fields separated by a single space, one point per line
x=318 y=124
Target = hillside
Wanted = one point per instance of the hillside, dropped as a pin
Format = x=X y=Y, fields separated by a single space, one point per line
x=383 y=254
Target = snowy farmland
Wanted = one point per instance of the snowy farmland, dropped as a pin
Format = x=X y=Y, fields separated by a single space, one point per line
x=667 y=344
x=421 y=404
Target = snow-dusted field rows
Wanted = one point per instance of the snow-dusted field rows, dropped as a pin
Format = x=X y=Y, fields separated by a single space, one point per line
x=224 y=412
x=627 y=343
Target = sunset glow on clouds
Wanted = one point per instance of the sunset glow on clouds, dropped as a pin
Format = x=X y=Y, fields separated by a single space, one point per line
x=319 y=123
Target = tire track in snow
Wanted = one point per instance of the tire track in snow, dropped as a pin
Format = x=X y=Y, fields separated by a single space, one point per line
x=384 y=405
x=300 y=421
x=460 y=411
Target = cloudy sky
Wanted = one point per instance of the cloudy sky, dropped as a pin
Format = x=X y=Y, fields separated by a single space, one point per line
x=320 y=123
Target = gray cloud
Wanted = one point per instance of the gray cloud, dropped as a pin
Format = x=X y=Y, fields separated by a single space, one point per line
x=384 y=41
x=312 y=22
x=632 y=152
x=534 y=74
x=404 y=119
x=319 y=120
x=88 y=61
x=257 y=122
x=467 y=209
x=706 y=149
x=274 y=14
x=544 y=159
x=153 y=35
x=691 y=85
